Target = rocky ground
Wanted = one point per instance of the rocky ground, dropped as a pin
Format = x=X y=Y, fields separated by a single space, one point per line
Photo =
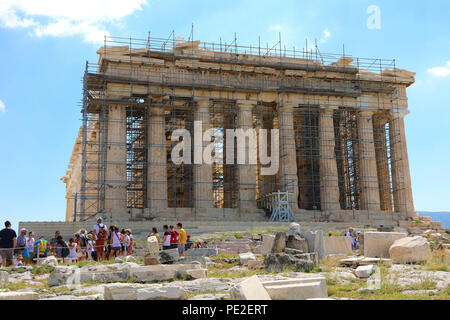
x=214 y=277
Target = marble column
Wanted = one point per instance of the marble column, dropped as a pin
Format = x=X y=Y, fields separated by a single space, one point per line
x=370 y=196
x=381 y=152
x=247 y=171
x=157 y=157
x=288 y=155
x=329 y=188
x=401 y=178
x=203 y=179
x=116 y=167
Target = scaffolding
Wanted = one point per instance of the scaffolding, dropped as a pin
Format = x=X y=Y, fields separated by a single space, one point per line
x=143 y=87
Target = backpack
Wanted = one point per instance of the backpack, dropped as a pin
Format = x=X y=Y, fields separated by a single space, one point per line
x=102 y=234
x=41 y=245
x=83 y=242
x=65 y=251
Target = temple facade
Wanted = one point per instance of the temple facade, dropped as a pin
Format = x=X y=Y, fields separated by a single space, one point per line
x=342 y=152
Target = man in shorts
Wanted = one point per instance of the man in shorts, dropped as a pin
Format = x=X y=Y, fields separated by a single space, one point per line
x=7 y=244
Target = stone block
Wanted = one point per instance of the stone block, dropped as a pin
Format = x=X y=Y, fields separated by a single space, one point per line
x=48 y=261
x=150 y=261
x=130 y=259
x=162 y=293
x=364 y=272
x=279 y=243
x=204 y=252
x=169 y=256
x=377 y=244
x=297 y=289
x=4 y=278
x=194 y=273
x=152 y=245
x=16 y=295
x=255 y=264
x=278 y=262
x=250 y=289
x=122 y=291
x=319 y=246
x=297 y=242
x=410 y=250
x=337 y=245
x=294 y=229
x=268 y=240
x=244 y=258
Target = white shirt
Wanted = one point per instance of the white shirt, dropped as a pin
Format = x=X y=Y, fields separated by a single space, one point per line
x=30 y=245
x=127 y=241
x=97 y=229
x=90 y=246
x=116 y=240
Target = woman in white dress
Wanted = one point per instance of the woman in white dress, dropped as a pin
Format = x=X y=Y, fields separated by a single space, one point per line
x=73 y=251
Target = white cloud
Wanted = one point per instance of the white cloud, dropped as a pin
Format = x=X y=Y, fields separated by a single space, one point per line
x=2 y=107
x=441 y=71
x=66 y=18
x=275 y=27
x=326 y=33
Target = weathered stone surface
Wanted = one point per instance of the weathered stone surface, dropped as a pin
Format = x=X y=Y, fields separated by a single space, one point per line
x=255 y=264
x=122 y=291
x=244 y=258
x=319 y=246
x=17 y=295
x=249 y=289
x=337 y=245
x=48 y=261
x=194 y=273
x=377 y=244
x=297 y=242
x=268 y=240
x=150 y=261
x=277 y=262
x=152 y=246
x=130 y=259
x=118 y=260
x=202 y=252
x=410 y=250
x=364 y=272
x=4 y=278
x=161 y=293
x=211 y=297
x=297 y=289
x=279 y=242
x=294 y=229
x=169 y=256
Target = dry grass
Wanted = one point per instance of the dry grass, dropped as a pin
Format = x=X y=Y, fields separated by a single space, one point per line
x=439 y=261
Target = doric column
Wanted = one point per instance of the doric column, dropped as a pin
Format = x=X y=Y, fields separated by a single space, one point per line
x=370 y=196
x=247 y=171
x=157 y=157
x=116 y=167
x=288 y=154
x=401 y=179
x=381 y=153
x=203 y=182
x=329 y=188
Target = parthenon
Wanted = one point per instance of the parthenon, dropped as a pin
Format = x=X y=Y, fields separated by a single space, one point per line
x=342 y=144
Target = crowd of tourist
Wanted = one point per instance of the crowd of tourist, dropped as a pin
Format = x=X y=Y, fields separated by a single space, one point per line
x=354 y=237
x=101 y=243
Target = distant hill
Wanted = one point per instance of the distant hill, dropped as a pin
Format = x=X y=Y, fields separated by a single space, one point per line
x=443 y=217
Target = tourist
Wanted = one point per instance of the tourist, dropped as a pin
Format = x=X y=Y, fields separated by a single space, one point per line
x=199 y=244
x=330 y=234
x=111 y=230
x=173 y=238
x=8 y=239
x=30 y=247
x=90 y=247
x=166 y=239
x=182 y=239
x=129 y=242
x=350 y=234
x=205 y=244
x=53 y=242
x=189 y=242
x=21 y=243
x=154 y=233
x=358 y=235
x=82 y=245
x=115 y=243
x=73 y=251
x=123 y=240
x=41 y=247
x=100 y=235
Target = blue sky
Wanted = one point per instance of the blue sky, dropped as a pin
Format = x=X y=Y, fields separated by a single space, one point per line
x=44 y=46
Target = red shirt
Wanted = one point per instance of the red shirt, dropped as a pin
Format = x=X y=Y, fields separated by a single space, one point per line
x=173 y=237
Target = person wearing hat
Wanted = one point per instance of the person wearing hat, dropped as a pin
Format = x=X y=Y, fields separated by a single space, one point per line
x=330 y=234
x=189 y=242
x=90 y=247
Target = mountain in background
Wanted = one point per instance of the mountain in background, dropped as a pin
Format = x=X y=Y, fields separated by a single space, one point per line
x=443 y=217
